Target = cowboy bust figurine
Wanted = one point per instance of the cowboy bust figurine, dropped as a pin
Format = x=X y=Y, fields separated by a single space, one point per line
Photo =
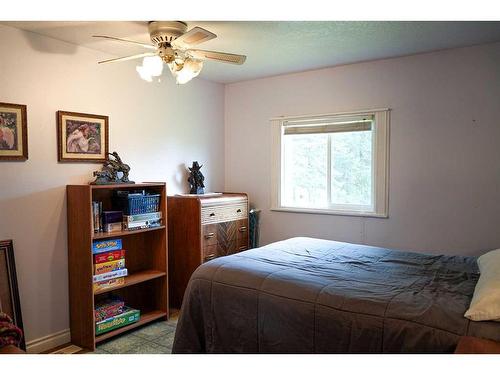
x=196 y=179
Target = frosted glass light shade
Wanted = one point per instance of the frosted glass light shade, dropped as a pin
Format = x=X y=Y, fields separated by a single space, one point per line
x=152 y=66
x=190 y=70
x=143 y=73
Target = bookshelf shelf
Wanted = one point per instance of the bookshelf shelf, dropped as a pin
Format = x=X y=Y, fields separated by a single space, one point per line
x=104 y=235
x=135 y=278
x=145 y=318
x=146 y=286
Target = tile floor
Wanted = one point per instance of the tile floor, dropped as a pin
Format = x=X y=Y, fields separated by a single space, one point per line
x=154 y=338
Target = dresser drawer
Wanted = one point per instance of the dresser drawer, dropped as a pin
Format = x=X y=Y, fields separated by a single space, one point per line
x=220 y=249
x=209 y=253
x=242 y=234
x=209 y=234
x=219 y=214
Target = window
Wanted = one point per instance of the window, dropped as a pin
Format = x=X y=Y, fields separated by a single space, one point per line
x=333 y=164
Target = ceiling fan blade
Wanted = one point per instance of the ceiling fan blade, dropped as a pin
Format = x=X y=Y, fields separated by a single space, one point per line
x=149 y=46
x=217 y=56
x=194 y=36
x=128 y=58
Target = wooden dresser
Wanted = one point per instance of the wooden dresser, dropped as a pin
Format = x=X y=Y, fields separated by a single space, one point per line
x=201 y=228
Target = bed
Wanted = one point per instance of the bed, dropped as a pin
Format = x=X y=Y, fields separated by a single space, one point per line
x=306 y=295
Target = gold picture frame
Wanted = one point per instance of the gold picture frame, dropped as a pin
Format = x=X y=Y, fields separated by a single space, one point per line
x=82 y=137
x=13 y=132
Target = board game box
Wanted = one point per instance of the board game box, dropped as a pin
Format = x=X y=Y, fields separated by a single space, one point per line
x=101 y=285
x=108 y=308
x=109 y=266
x=128 y=316
x=106 y=245
x=109 y=256
x=109 y=275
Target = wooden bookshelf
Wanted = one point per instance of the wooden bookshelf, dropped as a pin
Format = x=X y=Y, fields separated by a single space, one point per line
x=145 y=287
x=103 y=235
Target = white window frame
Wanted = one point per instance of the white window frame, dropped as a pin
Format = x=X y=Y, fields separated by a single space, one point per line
x=380 y=167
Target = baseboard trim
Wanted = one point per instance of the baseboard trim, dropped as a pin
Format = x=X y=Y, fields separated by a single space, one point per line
x=45 y=343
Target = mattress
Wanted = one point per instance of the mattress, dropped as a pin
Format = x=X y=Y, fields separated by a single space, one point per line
x=306 y=295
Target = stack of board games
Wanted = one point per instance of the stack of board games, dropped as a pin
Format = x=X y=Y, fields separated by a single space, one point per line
x=109 y=264
x=142 y=221
x=141 y=210
x=112 y=313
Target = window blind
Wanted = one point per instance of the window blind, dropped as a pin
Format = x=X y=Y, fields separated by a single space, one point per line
x=336 y=124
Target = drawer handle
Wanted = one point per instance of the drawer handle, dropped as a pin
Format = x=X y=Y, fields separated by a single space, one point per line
x=238 y=210
x=209 y=235
x=212 y=214
x=243 y=229
x=210 y=257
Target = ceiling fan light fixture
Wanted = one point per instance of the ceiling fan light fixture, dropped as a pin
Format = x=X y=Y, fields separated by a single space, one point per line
x=173 y=44
x=152 y=66
x=143 y=73
x=189 y=70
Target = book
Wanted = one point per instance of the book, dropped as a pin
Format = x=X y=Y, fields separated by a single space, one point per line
x=106 y=245
x=106 y=267
x=95 y=217
x=141 y=217
x=102 y=285
x=108 y=308
x=128 y=316
x=109 y=256
x=100 y=217
x=110 y=275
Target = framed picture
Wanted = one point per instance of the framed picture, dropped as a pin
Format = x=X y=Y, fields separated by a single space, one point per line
x=82 y=137
x=13 y=132
x=9 y=293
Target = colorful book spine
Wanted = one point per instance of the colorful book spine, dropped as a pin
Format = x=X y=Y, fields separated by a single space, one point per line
x=110 y=275
x=129 y=316
x=114 y=265
x=106 y=245
x=109 y=256
x=96 y=225
x=102 y=285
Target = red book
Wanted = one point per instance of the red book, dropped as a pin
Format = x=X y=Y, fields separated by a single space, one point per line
x=109 y=256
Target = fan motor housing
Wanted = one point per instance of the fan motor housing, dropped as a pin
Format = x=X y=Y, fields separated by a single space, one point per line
x=163 y=32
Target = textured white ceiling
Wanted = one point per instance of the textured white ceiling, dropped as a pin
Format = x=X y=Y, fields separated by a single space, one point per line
x=280 y=47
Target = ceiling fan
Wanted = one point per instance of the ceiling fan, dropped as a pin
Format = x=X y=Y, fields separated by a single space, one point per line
x=172 y=45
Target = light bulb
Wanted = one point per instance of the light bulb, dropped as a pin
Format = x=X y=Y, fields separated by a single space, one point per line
x=143 y=73
x=190 y=69
x=153 y=65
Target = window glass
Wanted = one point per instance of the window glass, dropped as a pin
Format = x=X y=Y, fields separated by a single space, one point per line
x=305 y=180
x=351 y=168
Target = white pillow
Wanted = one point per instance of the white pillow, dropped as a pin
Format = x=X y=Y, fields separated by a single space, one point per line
x=485 y=303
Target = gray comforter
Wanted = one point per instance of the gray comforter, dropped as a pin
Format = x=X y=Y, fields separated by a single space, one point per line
x=307 y=295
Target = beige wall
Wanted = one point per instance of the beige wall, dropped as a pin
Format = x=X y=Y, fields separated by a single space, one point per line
x=444 y=148
x=156 y=128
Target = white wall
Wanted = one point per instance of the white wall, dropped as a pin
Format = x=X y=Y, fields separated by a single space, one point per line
x=444 y=147
x=156 y=128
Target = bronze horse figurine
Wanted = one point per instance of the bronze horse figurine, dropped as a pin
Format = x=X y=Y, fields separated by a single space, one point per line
x=110 y=170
